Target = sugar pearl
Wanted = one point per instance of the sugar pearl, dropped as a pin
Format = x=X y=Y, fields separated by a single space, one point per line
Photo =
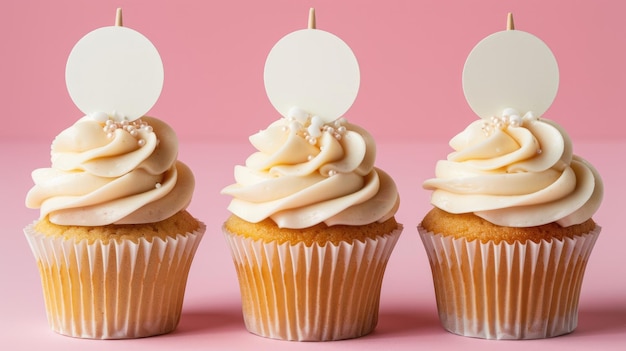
x=515 y=121
x=317 y=122
x=314 y=131
x=100 y=117
x=297 y=114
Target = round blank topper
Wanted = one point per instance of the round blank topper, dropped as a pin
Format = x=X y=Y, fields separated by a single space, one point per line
x=510 y=69
x=115 y=70
x=312 y=70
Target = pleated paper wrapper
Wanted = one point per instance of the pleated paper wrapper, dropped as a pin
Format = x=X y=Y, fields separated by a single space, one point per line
x=508 y=291
x=114 y=290
x=311 y=293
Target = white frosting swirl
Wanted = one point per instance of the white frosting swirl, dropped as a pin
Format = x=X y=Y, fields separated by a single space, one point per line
x=306 y=173
x=119 y=173
x=516 y=172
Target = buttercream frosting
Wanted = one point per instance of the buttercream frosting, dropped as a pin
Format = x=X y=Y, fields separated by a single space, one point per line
x=306 y=172
x=518 y=172
x=112 y=173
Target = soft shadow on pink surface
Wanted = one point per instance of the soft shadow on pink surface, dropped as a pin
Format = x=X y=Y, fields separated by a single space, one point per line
x=201 y=321
x=391 y=323
x=592 y=320
x=601 y=320
x=407 y=322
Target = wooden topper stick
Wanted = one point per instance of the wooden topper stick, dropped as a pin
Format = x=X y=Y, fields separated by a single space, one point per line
x=510 y=25
x=312 y=18
x=118 y=17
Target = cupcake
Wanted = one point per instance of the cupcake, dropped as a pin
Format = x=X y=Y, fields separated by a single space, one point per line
x=311 y=231
x=511 y=231
x=313 y=220
x=113 y=242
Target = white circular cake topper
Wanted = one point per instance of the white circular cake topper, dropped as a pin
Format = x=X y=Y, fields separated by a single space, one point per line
x=510 y=69
x=115 y=70
x=314 y=71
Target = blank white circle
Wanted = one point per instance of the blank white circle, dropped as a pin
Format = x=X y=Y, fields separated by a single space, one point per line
x=314 y=71
x=510 y=69
x=114 y=70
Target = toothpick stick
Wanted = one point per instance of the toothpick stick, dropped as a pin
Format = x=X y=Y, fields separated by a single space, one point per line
x=312 y=18
x=118 y=17
x=510 y=25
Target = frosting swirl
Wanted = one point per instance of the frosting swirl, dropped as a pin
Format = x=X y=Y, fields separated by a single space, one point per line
x=112 y=173
x=516 y=172
x=306 y=172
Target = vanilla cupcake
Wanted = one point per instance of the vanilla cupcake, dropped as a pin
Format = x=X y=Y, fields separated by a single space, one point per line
x=311 y=231
x=511 y=231
x=114 y=242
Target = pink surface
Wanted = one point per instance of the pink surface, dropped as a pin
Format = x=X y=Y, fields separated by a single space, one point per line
x=211 y=317
x=411 y=55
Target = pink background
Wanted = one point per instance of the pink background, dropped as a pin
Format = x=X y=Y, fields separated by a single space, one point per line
x=411 y=55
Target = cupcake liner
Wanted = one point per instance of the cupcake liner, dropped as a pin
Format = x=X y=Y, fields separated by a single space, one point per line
x=508 y=291
x=311 y=293
x=114 y=290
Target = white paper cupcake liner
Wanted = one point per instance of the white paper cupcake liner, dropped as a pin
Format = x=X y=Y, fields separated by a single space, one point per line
x=113 y=290
x=508 y=291
x=311 y=293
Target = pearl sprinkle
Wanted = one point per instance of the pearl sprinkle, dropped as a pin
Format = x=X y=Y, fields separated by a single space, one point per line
x=510 y=119
x=133 y=128
x=311 y=128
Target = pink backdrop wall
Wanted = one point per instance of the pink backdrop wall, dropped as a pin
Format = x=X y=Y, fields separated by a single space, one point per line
x=411 y=55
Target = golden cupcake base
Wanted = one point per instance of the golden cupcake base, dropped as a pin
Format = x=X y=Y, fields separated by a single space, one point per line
x=115 y=290
x=311 y=293
x=508 y=291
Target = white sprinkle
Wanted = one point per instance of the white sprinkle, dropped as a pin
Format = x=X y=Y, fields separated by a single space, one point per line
x=99 y=116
